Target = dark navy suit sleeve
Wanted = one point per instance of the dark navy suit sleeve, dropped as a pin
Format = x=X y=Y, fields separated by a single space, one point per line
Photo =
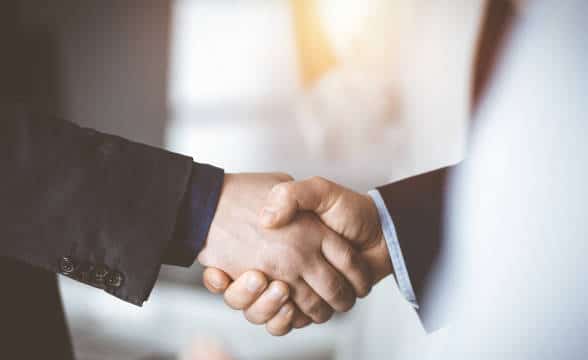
x=94 y=207
x=195 y=215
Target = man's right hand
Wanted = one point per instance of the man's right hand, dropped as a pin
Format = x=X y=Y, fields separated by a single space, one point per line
x=322 y=269
x=352 y=215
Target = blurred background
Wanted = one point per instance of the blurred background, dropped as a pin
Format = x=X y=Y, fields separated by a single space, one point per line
x=359 y=91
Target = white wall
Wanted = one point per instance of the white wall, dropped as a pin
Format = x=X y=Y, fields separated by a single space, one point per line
x=107 y=62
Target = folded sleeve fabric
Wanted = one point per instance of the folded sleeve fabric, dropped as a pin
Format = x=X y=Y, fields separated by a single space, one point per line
x=195 y=215
x=94 y=207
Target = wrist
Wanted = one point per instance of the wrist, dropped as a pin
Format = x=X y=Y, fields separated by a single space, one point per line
x=381 y=261
x=205 y=256
x=377 y=253
x=195 y=214
x=236 y=217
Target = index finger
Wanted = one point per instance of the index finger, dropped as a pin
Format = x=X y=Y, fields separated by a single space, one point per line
x=216 y=280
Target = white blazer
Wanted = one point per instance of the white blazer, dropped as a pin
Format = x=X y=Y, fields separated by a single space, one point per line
x=519 y=220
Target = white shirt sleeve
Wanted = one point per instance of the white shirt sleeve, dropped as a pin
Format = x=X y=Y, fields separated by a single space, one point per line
x=389 y=231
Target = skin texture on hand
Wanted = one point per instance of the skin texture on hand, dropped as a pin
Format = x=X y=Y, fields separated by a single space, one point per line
x=350 y=214
x=305 y=254
x=269 y=305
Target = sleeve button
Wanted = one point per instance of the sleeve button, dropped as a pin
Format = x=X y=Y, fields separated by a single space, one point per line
x=114 y=279
x=67 y=266
x=107 y=148
x=83 y=272
x=99 y=274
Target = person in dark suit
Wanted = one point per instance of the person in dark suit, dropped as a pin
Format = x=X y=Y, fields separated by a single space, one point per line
x=108 y=212
x=398 y=228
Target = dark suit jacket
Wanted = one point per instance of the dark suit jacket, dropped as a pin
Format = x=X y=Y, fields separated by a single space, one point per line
x=417 y=204
x=94 y=207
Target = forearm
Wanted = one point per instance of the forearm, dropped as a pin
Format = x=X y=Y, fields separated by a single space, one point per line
x=77 y=201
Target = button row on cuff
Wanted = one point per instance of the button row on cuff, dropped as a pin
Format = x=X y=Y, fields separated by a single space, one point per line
x=99 y=275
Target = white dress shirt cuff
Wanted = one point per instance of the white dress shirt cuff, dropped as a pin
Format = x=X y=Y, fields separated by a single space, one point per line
x=389 y=231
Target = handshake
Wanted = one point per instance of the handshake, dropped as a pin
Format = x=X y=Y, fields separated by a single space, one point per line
x=296 y=250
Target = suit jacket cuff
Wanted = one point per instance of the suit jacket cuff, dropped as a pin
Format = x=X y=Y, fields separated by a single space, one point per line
x=195 y=215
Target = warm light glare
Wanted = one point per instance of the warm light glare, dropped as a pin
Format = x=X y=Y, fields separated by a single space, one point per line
x=343 y=20
x=231 y=52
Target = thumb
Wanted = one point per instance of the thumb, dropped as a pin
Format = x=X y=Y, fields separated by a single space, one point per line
x=286 y=199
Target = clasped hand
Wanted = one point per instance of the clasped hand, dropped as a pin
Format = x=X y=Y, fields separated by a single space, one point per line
x=298 y=251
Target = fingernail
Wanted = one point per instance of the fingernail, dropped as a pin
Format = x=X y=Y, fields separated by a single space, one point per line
x=253 y=284
x=277 y=294
x=285 y=310
x=215 y=283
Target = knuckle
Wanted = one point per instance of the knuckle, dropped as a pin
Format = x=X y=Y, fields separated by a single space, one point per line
x=269 y=266
x=313 y=305
x=321 y=182
x=318 y=311
x=286 y=272
x=365 y=285
x=347 y=305
x=339 y=295
x=350 y=258
x=335 y=290
x=323 y=316
x=290 y=277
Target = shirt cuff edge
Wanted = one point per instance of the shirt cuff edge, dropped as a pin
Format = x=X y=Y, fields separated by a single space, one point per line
x=389 y=230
